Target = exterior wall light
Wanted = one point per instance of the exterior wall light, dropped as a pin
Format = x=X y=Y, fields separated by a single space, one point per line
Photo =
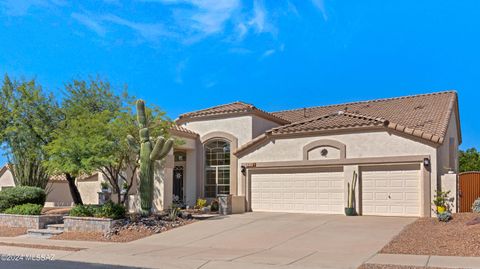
x=426 y=162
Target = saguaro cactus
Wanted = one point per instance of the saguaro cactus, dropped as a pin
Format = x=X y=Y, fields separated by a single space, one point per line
x=148 y=155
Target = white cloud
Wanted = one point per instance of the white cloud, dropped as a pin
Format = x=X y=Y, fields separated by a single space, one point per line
x=320 y=4
x=90 y=23
x=268 y=53
x=149 y=31
x=21 y=7
x=258 y=20
x=204 y=16
x=98 y=24
x=179 y=71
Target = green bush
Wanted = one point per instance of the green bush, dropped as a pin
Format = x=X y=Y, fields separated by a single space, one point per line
x=214 y=206
x=25 y=209
x=21 y=195
x=110 y=210
x=82 y=211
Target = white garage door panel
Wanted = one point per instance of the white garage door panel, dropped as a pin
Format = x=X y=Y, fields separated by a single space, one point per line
x=391 y=193
x=298 y=192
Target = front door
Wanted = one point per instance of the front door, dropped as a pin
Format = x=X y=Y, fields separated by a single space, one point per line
x=178 y=181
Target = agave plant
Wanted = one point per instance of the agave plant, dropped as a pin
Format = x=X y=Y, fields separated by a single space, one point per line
x=476 y=206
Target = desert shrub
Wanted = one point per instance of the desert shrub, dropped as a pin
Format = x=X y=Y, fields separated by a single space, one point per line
x=214 y=206
x=201 y=203
x=82 y=211
x=110 y=210
x=25 y=209
x=476 y=206
x=173 y=213
x=12 y=197
x=445 y=216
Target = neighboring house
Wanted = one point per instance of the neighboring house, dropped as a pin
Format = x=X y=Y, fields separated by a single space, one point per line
x=301 y=160
x=58 y=192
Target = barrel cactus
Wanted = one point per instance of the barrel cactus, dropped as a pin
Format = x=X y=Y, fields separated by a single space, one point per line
x=149 y=150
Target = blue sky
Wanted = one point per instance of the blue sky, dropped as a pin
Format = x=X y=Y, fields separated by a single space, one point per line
x=189 y=54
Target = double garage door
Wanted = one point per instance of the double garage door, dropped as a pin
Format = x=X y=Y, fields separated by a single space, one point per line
x=386 y=191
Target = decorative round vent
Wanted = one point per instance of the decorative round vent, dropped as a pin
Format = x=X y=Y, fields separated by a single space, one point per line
x=324 y=152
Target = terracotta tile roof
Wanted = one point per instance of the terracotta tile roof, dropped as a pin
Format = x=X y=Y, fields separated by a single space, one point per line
x=232 y=108
x=180 y=130
x=425 y=116
x=334 y=121
x=61 y=177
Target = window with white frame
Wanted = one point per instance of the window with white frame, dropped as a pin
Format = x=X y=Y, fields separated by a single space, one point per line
x=217 y=168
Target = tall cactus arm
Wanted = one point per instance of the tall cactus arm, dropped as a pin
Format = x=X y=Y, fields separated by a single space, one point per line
x=141 y=114
x=133 y=144
x=354 y=181
x=161 y=149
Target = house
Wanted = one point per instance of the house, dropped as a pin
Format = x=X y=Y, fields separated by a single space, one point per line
x=58 y=192
x=300 y=160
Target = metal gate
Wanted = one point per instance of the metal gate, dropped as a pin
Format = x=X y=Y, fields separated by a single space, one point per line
x=469 y=190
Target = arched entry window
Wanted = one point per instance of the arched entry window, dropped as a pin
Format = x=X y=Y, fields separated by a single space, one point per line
x=217 y=168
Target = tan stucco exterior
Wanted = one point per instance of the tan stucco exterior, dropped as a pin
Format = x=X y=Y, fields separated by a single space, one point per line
x=6 y=180
x=363 y=145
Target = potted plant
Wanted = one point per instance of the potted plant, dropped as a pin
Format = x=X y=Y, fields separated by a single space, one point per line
x=442 y=201
x=350 y=209
x=104 y=185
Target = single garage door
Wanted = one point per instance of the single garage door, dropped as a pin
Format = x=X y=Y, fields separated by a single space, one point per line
x=300 y=192
x=391 y=190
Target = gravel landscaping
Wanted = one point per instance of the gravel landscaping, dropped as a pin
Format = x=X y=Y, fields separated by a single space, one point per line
x=130 y=229
x=428 y=236
x=11 y=232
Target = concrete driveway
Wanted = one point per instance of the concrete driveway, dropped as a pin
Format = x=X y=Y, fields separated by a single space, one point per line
x=257 y=240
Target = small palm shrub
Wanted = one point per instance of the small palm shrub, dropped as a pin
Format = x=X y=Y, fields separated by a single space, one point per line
x=25 y=209
x=476 y=206
x=21 y=195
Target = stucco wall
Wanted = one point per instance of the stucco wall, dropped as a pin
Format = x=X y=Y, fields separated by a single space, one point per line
x=6 y=180
x=358 y=145
x=89 y=189
x=444 y=149
x=447 y=155
x=59 y=194
x=240 y=127
x=261 y=125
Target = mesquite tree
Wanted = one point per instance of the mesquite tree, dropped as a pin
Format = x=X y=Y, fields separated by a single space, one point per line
x=28 y=114
x=149 y=150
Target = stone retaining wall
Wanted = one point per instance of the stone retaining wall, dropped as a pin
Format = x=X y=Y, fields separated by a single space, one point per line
x=87 y=224
x=29 y=221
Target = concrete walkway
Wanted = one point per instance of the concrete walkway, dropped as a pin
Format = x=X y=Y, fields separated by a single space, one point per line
x=426 y=261
x=252 y=240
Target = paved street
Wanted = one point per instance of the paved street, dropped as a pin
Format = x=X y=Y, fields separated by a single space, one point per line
x=253 y=240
